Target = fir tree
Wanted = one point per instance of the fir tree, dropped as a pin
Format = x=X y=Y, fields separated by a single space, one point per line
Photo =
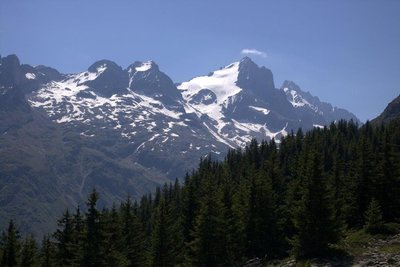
x=29 y=252
x=262 y=229
x=208 y=245
x=313 y=216
x=93 y=252
x=133 y=236
x=47 y=253
x=64 y=237
x=373 y=217
x=11 y=246
x=163 y=253
x=114 y=255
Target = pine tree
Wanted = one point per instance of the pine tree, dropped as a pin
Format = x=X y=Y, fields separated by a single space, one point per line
x=163 y=253
x=78 y=235
x=133 y=235
x=364 y=179
x=189 y=207
x=11 y=246
x=208 y=245
x=233 y=218
x=64 y=237
x=114 y=255
x=313 y=217
x=373 y=217
x=93 y=252
x=262 y=229
x=47 y=253
x=29 y=252
x=388 y=179
x=337 y=190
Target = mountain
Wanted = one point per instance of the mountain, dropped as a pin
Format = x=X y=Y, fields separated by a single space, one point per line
x=240 y=102
x=125 y=131
x=391 y=112
x=310 y=110
x=44 y=166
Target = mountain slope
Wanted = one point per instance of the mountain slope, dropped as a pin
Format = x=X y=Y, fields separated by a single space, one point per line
x=391 y=112
x=46 y=167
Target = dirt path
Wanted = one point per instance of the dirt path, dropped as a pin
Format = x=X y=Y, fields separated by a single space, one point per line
x=380 y=252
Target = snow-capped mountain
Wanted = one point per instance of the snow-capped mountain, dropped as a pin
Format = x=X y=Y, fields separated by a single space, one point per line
x=142 y=116
x=141 y=109
x=236 y=103
x=138 y=111
x=309 y=109
x=127 y=130
x=240 y=102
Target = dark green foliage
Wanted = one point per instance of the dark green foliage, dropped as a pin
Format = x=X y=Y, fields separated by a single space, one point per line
x=10 y=246
x=313 y=216
x=29 y=252
x=164 y=252
x=93 y=246
x=133 y=241
x=208 y=236
x=373 y=217
x=64 y=239
x=113 y=231
x=47 y=253
x=298 y=195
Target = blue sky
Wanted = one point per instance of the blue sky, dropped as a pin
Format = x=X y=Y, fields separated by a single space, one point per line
x=345 y=52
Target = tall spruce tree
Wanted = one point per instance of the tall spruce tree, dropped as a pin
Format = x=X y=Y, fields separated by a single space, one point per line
x=11 y=246
x=209 y=237
x=313 y=217
x=93 y=251
x=47 y=253
x=64 y=237
x=262 y=228
x=373 y=217
x=29 y=257
x=163 y=252
x=388 y=178
x=114 y=246
x=133 y=235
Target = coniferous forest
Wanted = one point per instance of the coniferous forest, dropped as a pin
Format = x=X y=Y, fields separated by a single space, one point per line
x=270 y=200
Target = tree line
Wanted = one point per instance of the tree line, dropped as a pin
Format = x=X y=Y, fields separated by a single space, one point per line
x=269 y=200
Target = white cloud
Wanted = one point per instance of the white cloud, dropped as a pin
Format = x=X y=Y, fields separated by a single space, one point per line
x=256 y=52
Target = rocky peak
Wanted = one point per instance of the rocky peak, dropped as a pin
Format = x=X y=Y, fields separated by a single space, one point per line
x=102 y=65
x=247 y=61
x=252 y=77
x=110 y=78
x=10 y=74
x=142 y=66
x=48 y=74
x=146 y=78
x=11 y=78
x=290 y=85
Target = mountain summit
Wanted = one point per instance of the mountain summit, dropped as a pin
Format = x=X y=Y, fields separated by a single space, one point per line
x=252 y=77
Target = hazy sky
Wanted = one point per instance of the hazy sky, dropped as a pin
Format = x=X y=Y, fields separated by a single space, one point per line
x=345 y=52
